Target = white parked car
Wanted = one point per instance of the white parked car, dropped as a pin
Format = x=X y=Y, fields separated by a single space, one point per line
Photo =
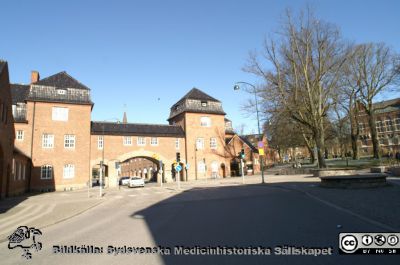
x=136 y=182
x=124 y=181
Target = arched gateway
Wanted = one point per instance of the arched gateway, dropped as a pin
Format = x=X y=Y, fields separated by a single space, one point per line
x=116 y=143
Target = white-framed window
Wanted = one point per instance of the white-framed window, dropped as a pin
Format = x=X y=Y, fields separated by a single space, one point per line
x=69 y=171
x=60 y=114
x=127 y=140
x=46 y=172
x=47 y=140
x=213 y=143
x=20 y=135
x=205 y=121
x=69 y=141
x=100 y=142
x=397 y=124
x=154 y=141
x=201 y=166
x=177 y=144
x=141 y=141
x=199 y=143
x=61 y=91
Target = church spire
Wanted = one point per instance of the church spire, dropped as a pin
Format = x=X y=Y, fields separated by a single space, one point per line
x=125 y=119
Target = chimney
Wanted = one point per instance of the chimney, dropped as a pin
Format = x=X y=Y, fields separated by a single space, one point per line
x=34 y=77
x=124 y=120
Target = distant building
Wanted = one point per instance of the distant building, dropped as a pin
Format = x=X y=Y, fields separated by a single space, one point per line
x=387 y=119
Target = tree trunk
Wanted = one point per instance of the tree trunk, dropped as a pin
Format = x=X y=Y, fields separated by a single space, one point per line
x=320 y=144
x=354 y=147
x=354 y=130
x=374 y=134
x=311 y=151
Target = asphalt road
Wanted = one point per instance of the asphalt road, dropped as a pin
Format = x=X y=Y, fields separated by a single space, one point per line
x=230 y=216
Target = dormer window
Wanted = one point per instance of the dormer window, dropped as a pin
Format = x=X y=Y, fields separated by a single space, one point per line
x=61 y=91
x=204 y=103
x=177 y=107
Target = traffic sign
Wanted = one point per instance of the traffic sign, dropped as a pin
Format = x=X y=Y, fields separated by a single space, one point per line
x=260 y=144
x=187 y=166
x=261 y=151
x=178 y=168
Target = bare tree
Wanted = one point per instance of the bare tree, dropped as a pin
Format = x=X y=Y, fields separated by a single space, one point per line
x=374 y=69
x=348 y=97
x=306 y=58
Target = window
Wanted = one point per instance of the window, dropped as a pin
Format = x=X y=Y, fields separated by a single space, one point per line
x=204 y=103
x=46 y=172
x=177 y=145
x=205 y=122
x=127 y=140
x=69 y=171
x=389 y=125
x=199 y=143
x=69 y=141
x=100 y=142
x=141 y=141
x=154 y=141
x=201 y=166
x=397 y=124
x=213 y=143
x=379 y=127
x=47 y=140
x=361 y=127
x=20 y=135
x=60 y=114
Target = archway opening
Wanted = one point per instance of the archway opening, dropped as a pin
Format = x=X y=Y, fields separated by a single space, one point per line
x=96 y=175
x=144 y=167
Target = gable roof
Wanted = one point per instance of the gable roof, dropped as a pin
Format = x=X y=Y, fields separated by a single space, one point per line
x=244 y=140
x=248 y=143
x=195 y=93
x=61 y=80
x=136 y=129
x=19 y=93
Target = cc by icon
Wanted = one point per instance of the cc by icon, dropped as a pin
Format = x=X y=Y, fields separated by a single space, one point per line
x=348 y=243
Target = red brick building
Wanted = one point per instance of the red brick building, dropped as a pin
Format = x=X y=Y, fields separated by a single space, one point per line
x=53 y=128
x=387 y=119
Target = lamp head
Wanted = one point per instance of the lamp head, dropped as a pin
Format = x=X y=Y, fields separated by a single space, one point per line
x=236 y=87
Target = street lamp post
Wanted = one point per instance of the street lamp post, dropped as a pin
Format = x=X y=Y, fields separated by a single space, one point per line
x=237 y=87
x=102 y=155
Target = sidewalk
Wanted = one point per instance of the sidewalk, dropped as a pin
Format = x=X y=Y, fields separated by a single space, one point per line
x=44 y=209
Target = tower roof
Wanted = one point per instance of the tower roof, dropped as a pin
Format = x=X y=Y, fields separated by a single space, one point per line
x=196 y=101
x=196 y=93
x=61 y=80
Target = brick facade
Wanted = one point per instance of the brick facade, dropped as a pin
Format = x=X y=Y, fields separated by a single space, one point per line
x=52 y=112
x=387 y=119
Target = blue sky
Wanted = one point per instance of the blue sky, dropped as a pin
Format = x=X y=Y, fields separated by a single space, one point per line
x=143 y=56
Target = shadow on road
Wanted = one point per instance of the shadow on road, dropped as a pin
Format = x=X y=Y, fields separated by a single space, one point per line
x=247 y=216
